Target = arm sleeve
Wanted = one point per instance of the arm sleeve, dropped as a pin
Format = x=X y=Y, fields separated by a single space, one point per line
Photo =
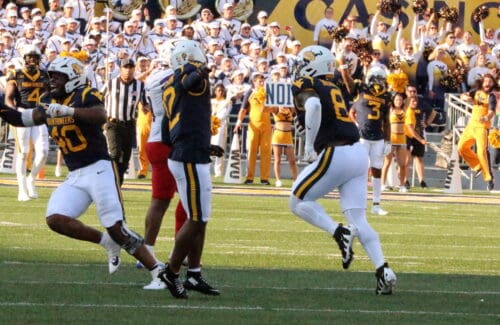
x=373 y=25
x=398 y=41
x=394 y=25
x=317 y=28
x=24 y=118
x=312 y=108
x=482 y=33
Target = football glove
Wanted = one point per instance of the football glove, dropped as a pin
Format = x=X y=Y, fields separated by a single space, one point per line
x=55 y=110
x=215 y=151
x=310 y=154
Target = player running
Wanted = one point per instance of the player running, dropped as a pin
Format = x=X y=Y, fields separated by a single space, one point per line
x=339 y=161
x=75 y=116
x=371 y=112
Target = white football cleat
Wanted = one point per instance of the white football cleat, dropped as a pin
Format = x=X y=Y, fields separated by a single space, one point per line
x=113 y=250
x=155 y=284
x=30 y=184
x=278 y=184
x=113 y=263
x=377 y=209
x=386 y=280
x=23 y=196
x=57 y=171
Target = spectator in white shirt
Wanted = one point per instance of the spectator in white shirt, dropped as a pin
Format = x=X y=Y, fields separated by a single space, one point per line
x=324 y=28
x=259 y=30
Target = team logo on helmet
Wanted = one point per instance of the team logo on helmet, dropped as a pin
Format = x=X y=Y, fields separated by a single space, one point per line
x=77 y=68
x=310 y=56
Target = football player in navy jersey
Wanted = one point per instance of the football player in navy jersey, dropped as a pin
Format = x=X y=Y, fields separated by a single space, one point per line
x=23 y=90
x=338 y=160
x=75 y=116
x=371 y=112
x=188 y=116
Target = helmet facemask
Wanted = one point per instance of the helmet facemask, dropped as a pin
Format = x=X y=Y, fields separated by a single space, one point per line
x=377 y=85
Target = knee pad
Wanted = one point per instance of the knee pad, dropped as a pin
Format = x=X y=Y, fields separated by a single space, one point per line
x=129 y=240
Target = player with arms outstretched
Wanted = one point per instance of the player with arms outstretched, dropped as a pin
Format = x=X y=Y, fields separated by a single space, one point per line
x=339 y=160
x=23 y=90
x=75 y=116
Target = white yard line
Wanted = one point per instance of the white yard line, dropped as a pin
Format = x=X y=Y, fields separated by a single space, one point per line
x=244 y=309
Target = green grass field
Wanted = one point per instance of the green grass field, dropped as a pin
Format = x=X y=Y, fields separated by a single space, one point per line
x=271 y=267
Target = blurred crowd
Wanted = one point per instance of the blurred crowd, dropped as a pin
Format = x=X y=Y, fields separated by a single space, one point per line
x=436 y=58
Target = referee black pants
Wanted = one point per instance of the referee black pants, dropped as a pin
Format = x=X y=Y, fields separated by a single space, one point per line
x=121 y=138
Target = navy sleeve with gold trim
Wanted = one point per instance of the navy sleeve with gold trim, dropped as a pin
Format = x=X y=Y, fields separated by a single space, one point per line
x=188 y=110
x=81 y=143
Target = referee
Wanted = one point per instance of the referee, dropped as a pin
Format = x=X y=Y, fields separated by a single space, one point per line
x=122 y=96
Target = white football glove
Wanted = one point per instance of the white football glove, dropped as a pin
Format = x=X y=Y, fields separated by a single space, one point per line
x=387 y=148
x=56 y=110
x=310 y=154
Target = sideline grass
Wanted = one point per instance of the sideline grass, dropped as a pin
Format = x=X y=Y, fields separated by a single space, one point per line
x=270 y=266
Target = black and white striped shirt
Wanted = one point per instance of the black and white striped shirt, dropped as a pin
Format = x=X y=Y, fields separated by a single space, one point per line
x=121 y=99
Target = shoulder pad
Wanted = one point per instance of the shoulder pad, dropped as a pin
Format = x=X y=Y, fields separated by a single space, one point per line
x=302 y=84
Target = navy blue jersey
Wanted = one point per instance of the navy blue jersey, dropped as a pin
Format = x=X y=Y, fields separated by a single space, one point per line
x=372 y=113
x=81 y=143
x=336 y=126
x=29 y=87
x=188 y=110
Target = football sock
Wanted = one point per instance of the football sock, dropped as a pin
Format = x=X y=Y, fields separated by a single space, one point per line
x=38 y=163
x=367 y=236
x=377 y=189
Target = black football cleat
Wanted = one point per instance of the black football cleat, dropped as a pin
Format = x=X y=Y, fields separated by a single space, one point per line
x=173 y=283
x=386 y=280
x=195 y=282
x=344 y=236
